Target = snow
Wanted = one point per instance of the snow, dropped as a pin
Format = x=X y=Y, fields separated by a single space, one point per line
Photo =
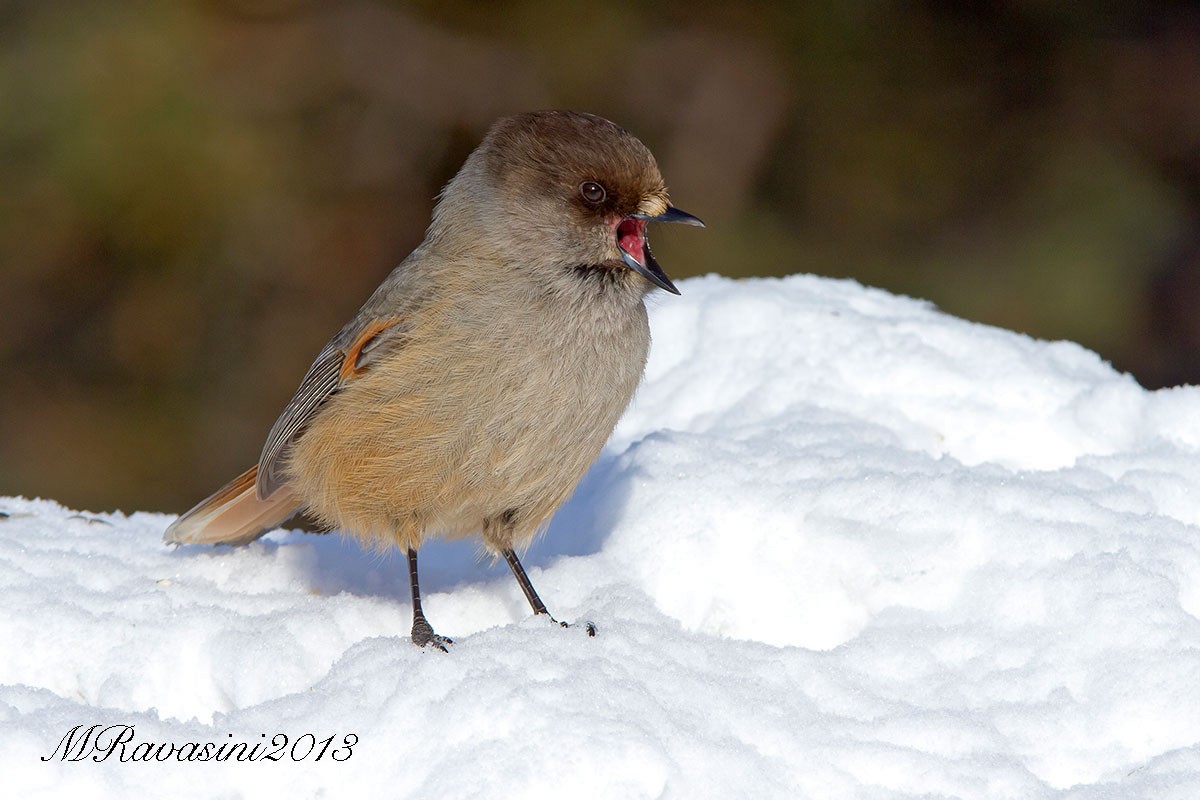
x=842 y=545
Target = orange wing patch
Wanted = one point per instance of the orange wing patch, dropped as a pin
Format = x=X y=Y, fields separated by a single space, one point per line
x=352 y=366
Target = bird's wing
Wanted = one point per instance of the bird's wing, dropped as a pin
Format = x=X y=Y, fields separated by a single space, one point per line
x=347 y=356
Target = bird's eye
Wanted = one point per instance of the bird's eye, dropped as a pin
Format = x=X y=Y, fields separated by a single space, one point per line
x=592 y=192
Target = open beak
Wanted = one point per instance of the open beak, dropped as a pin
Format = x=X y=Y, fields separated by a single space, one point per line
x=635 y=247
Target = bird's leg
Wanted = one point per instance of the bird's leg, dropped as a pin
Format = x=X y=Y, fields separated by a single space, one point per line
x=422 y=631
x=531 y=594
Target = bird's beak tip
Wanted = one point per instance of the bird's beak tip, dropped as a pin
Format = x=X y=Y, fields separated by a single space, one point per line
x=673 y=214
x=651 y=271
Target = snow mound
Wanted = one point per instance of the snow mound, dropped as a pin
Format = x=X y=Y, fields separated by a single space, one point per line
x=842 y=545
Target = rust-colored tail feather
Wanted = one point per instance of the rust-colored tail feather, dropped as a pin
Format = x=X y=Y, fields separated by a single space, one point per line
x=234 y=514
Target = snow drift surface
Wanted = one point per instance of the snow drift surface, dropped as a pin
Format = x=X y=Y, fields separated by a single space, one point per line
x=842 y=545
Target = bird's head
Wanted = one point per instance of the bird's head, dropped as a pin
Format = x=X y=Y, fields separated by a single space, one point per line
x=568 y=196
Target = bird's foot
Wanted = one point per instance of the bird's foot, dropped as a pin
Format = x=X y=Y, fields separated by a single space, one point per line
x=588 y=626
x=422 y=635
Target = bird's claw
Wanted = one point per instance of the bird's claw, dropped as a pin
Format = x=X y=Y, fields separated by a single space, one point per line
x=423 y=635
x=588 y=626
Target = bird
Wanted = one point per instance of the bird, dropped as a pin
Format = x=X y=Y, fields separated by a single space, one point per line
x=477 y=384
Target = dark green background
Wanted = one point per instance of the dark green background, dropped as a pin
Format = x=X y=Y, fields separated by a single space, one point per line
x=197 y=194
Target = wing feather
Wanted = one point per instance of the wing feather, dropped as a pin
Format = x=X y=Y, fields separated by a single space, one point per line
x=337 y=364
x=320 y=382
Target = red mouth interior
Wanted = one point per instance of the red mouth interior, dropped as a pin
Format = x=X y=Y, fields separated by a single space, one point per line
x=631 y=237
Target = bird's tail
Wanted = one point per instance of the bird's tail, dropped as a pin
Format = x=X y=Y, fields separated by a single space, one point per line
x=234 y=514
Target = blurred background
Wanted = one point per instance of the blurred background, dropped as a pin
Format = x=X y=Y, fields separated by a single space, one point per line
x=196 y=195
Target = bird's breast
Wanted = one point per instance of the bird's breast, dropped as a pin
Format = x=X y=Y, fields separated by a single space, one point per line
x=487 y=407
